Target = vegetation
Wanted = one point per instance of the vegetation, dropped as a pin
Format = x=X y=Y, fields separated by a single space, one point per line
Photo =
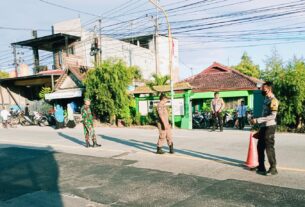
x=44 y=91
x=247 y=67
x=106 y=87
x=4 y=74
x=289 y=88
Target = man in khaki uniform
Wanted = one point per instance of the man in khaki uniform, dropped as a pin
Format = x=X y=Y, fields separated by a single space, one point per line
x=217 y=105
x=164 y=126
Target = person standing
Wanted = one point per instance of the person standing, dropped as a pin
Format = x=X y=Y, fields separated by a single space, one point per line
x=70 y=117
x=4 y=114
x=217 y=105
x=59 y=117
x=27 y=110
x=163 y=126
x=88 y=124
x=267 y=131
x=241 y=114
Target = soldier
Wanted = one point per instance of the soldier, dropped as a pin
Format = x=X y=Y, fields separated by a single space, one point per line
x=164 y=126
x=267 y=130
x=217 y=105
x=88 y=124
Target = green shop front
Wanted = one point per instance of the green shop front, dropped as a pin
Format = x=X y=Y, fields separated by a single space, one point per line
x=232 y=86
x=147 y=99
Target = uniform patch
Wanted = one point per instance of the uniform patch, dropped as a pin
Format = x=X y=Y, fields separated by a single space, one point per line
x=274 y=105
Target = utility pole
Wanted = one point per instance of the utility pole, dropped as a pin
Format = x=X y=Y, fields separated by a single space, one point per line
x=100 y=38
x=130 y=49
x=15 y=60
x=156 y=39
x=156 y=45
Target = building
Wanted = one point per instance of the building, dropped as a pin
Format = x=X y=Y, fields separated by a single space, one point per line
x=195 y=93
x=232 y=85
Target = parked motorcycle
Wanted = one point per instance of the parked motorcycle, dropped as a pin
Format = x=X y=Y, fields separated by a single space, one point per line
x=200 y=121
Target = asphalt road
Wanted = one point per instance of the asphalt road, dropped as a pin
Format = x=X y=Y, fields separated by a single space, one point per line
x=45 y=167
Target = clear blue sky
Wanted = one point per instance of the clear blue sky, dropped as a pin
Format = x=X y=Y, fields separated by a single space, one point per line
x=195 y=52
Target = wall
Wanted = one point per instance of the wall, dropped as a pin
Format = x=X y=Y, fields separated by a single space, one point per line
x=181 y=121
x=226 y=94
x=129 y=53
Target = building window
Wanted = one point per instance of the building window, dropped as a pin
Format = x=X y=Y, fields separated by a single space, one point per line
x=71 y=50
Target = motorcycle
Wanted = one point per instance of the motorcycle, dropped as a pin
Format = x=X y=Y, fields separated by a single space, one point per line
x=200 y=121
x=40 y=119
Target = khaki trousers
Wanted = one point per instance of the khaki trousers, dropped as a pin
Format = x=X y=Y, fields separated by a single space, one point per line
x=164 y=134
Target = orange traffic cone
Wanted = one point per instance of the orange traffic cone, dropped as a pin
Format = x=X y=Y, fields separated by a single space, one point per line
x=252 y=159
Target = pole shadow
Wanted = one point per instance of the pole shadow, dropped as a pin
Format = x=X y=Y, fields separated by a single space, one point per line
x=29 y=177
x=129 y=143
x=72 y=139
x=216 y=158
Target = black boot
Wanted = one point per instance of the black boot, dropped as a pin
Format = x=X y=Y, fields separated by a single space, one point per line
x=171 y=148
x=160 y=151
x=96 y=144
x=88 y=144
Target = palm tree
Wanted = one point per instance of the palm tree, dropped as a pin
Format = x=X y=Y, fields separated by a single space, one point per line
x=158 y=80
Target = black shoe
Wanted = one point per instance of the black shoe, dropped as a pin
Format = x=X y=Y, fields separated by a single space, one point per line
x=88 y=144
x=261 y=172
x=96 y=144
x=272 y=171
x=171 y=149
x=160 y=151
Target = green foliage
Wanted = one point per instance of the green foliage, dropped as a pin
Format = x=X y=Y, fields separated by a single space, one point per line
x=4 y=74
x=44 y=91
x=247 y=67
x=206 y=107
x=158 y=80
x=289 y=88
x=106 y=87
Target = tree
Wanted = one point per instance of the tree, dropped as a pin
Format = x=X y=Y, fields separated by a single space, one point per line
x=289 y=88
x=4 y=74
x=44 y=91
x=106 y=87
x=247 y=67
x=158 y=80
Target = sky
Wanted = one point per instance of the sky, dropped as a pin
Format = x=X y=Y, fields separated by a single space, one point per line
x=195 y=53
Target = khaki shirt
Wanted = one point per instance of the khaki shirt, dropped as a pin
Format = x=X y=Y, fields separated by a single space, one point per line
x=270 y=109
x=217 y=105
x=162 y=112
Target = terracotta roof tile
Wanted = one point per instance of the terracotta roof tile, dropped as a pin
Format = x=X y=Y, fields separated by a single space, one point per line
x=218 y=77
x=166 y=88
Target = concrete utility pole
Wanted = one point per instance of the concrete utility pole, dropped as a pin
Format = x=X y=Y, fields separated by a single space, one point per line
x=170 y=47
x=130 y=49
x=15 y=60
x=156 y=45
x=100 y=39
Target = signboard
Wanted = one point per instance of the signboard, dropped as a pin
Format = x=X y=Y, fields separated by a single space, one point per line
x=143 y=109
x=146 y=107
x=178 y=107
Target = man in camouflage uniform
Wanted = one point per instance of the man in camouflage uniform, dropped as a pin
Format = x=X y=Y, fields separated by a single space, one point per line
x=267 y=130
x=164 y=126
x=88 y=124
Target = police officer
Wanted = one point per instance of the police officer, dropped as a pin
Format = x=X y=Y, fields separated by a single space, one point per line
x=164 y=126
x=217 y=105
x=88 y=124
x=267 y=130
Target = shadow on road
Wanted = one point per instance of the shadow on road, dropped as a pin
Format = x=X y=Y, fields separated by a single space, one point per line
x=29 y=177
x=128 y=143
x=151 y=147
x=72 y=139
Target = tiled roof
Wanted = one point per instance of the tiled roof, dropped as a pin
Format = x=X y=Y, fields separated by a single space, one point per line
x=166 y=88
x=218 y=77
x=75 y=71
x=52 y=72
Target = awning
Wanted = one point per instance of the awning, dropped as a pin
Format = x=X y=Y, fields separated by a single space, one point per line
x=65 y=93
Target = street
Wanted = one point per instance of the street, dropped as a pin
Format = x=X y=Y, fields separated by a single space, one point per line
x=47 y=167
